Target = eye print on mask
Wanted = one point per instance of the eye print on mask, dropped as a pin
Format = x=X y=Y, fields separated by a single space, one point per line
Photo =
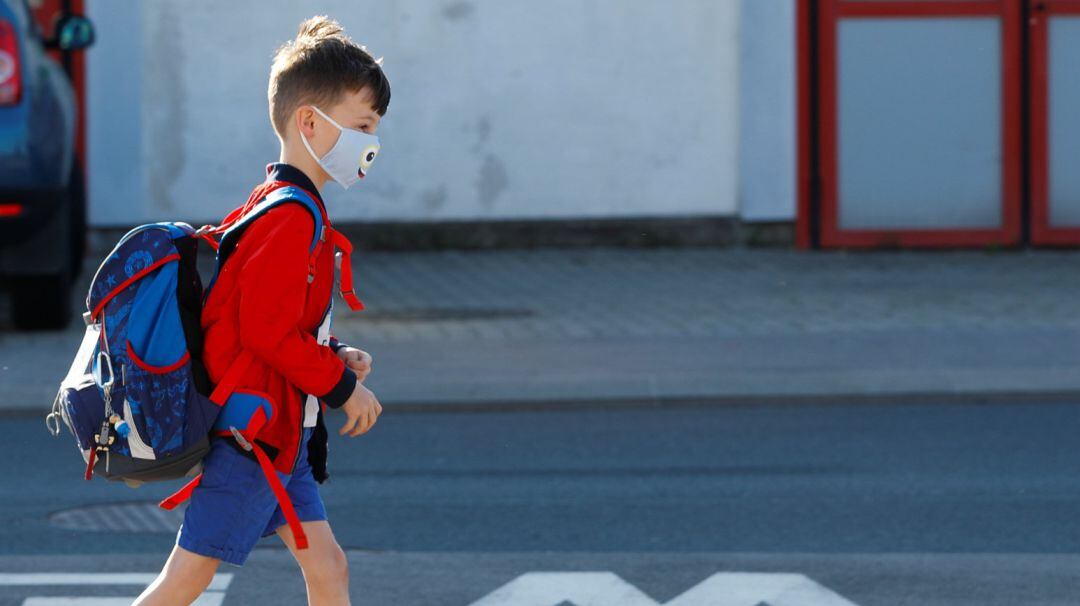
x=367 y=158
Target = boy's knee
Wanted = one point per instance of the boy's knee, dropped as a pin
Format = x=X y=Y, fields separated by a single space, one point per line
x=183 y=579
x=330 y=568
x=191 y=572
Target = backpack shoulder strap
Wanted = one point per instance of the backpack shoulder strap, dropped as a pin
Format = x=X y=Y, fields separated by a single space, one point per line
x=276 y=197
x=323 y=232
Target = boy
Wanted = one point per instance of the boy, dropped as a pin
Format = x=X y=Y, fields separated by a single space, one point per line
x=327 y=95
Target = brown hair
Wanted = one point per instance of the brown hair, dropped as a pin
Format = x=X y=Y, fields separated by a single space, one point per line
x=319 y=66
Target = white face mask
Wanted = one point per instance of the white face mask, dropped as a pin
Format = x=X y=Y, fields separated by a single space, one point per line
x=349 y=159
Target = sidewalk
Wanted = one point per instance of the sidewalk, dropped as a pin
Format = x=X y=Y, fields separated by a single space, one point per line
x=479 y=329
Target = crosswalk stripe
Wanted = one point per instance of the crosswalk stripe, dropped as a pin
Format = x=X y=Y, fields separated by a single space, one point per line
x=209 y=598
x=78 y=601
x=220 y=581
x=76 y=578
x=609 y=589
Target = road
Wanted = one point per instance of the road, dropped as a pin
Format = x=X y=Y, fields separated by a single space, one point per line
x=881 y=504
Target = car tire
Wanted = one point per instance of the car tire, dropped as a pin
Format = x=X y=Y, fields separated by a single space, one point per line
x=41 y=302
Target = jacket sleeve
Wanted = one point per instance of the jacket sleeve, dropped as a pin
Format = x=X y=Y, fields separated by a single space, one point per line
x=336 y=344
x=273 y=290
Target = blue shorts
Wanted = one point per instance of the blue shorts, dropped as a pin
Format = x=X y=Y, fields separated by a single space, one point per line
x=233 y=506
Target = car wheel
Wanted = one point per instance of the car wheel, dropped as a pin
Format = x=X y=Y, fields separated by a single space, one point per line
x=41 y=302
x=77 y=207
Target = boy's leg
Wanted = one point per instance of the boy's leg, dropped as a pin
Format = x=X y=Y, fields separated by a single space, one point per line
x=326 y=571
x=181 y=581
x=224 y=519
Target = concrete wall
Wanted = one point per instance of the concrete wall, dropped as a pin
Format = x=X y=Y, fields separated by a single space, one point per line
x=767 y=86
x=501 y=109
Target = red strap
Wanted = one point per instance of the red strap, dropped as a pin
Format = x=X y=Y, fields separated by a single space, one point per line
x=314 y=256
x=231 y=380
x=282 y=497
x=210 y=239
x=253 y=200
x=238 y=213
x=132 y=278
x=233 y=216
x=257 y=195
x=170 y=502
x=90 y=463
x=342 y=243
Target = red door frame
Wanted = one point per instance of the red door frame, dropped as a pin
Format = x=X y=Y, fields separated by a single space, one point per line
x=1041 y=230
x=829 y=234
x=804 y=124
x=46 y=16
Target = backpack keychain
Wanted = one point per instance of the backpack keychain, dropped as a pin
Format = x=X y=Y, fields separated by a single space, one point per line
x=120 y=426
x=118 y=422
x=104 y=440
x=105 y=436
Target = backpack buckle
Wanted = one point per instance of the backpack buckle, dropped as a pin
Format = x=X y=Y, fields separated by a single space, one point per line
x=240 y=439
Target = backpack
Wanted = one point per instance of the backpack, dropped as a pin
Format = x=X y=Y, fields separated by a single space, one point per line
x=137 y=398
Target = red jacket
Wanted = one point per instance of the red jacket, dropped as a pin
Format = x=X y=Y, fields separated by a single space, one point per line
x=261 y=301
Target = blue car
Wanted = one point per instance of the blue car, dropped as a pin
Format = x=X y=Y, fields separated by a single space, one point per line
x=42 y=193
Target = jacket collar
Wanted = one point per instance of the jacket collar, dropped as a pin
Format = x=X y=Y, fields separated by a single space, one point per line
x=280 y=171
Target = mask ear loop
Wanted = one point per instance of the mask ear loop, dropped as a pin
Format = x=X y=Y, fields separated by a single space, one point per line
x=307 y=145
x=328 y=118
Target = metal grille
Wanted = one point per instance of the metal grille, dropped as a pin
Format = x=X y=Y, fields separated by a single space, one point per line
x=139 y=516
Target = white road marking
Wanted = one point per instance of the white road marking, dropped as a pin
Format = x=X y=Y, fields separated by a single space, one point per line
x=750 y=589
x=210 y=598
x=77 y=578
x=213 y=596
x=220 y=581
x=79 y=601
x=608 y=589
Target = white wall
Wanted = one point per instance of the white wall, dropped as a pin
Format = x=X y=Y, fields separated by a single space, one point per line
x=114 y=115
x=501 y=109
x=767 y=107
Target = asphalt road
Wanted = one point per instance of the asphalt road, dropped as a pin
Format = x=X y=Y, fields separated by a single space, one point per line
x=882 y=504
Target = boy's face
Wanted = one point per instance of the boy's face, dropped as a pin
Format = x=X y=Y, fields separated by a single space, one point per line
x=355 y=110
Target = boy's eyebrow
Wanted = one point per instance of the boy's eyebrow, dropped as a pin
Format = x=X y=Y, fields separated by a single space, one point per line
x=365 y=117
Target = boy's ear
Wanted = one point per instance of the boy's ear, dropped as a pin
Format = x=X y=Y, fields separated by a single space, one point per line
x=304 y=118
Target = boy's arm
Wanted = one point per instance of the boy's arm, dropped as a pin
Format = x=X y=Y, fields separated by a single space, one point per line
x=273 y=289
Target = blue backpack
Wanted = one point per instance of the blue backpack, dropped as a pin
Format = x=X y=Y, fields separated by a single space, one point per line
x=137 y=397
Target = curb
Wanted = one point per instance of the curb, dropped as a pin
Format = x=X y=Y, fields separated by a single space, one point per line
x=921 y=398
x=729 y=400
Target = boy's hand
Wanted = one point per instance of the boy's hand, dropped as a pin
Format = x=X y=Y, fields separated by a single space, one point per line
x=362 y=409
x=357 y=360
